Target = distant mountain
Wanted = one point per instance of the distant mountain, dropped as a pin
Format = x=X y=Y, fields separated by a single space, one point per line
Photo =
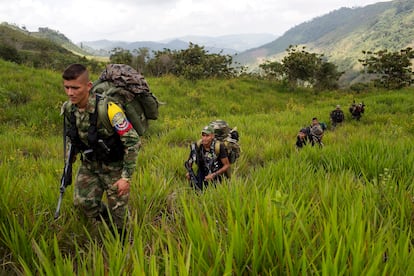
x=340 y=36
x=343 y=34
x=228 y=45
x=104 y=47
x=238 y=42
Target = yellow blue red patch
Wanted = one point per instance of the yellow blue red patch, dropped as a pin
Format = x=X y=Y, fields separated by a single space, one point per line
x=118 y=119
x=121 y=123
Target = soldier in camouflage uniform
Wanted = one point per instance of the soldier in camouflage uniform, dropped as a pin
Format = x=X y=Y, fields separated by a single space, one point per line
x=108 y=154
x=316 y=132
x=337 y=116
x=212 y=159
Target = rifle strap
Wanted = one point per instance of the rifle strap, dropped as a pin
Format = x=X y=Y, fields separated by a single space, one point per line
x=64 y=138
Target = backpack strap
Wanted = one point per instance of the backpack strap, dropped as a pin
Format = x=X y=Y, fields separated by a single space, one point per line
x=93 y=126
x=216 y=146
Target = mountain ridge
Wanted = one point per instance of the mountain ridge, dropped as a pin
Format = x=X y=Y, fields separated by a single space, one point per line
x=343 y=34
x=340 y=35
x=227 y=44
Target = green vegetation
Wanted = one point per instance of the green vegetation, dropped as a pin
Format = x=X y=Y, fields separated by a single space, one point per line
x=300 y=67
x=343 y=34
x=344 y=209
x=392 y=70
x=193 y=63
x=44 y=49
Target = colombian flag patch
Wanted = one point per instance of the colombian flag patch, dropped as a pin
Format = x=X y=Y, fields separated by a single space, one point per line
x=121 y=124
x=118 y=119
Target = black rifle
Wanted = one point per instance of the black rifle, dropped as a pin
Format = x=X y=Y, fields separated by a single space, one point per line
x=188 y=165
x=66 y=177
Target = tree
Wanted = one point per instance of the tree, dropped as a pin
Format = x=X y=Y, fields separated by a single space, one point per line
x=162 y=63
x=300 y=67
x=327 y=76
x=192 y=63
x=392 y=70
x=9 y=53
x=119 y=55
x=141 y=58
x=273 y=70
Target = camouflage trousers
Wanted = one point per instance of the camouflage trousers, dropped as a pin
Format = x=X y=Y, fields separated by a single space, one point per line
x=92 y=181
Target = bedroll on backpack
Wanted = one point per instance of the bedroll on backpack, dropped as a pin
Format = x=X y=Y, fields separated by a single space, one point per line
x=125 y=86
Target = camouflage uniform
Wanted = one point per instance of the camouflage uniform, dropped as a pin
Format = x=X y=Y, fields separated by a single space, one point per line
x=316 y=134
x=95 y=176
x=210 y=162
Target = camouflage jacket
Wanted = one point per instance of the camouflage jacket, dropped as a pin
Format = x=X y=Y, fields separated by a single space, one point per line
x=128 y=136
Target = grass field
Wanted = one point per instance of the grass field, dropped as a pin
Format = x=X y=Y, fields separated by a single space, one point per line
x=345 y=209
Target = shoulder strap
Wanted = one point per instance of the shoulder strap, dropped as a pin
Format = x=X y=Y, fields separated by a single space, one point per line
x=102 y=109
x=93 y=125
x=217 y=147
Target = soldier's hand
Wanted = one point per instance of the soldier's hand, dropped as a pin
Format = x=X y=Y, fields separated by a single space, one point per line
x=123 y=186
x=210 y=176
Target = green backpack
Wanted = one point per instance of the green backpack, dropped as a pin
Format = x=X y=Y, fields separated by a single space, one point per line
x=229 y=137
x=123 y=85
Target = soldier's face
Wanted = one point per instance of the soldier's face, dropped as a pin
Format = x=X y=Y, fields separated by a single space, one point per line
x=78 y=90
x=206 y=139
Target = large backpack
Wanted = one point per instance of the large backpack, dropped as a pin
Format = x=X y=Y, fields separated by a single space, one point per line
x=125 y=86
x=323 y=125
x=229 y=137
x=338 y=116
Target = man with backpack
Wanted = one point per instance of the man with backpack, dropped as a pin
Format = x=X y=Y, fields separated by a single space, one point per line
x=357 y=110
x=316 y=132
x=108 y=146
x=337 y=116
x=211 y=158
x=302 y=138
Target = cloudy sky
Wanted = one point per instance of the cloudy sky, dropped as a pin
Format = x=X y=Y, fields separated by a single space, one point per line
x=137 y=20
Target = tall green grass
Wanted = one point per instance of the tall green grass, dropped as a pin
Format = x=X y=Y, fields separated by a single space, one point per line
x=345 y=209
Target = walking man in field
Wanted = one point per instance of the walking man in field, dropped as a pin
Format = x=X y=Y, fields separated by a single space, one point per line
x=357 y=110
x=108 y=149
x=337 y=116
x=316 y=132
x=211 y=159
x=302 y=138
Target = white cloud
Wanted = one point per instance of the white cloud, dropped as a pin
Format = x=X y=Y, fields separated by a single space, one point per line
x=133 y=20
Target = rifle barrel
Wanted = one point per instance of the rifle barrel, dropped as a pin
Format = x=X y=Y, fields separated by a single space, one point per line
x=57 y=213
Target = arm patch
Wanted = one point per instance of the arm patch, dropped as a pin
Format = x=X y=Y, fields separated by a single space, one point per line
x=118 y=119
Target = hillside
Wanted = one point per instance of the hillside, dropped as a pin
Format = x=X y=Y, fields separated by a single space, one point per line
x=344 y=209
x=60 y=39
x=44 y=49
x=343 y=34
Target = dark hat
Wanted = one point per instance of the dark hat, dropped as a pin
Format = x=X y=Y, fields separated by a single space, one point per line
x=208 y=130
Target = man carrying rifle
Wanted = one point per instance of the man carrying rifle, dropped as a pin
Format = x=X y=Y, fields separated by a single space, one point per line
x=108 y=149
x=211 y=158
